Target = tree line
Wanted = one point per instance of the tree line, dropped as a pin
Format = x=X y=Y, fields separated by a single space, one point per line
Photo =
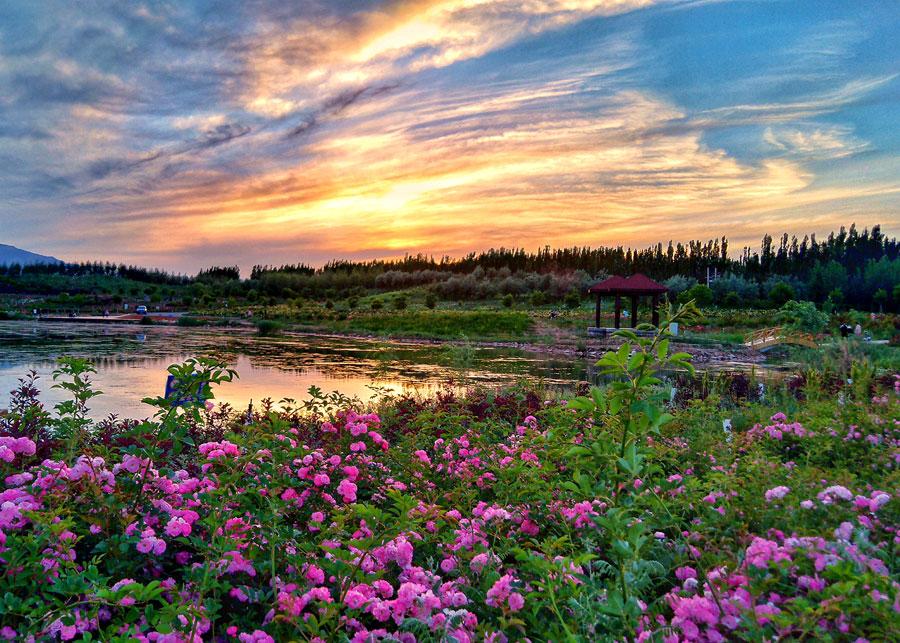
x=848 y=267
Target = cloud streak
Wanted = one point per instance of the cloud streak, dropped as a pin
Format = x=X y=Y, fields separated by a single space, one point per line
x=180 y=133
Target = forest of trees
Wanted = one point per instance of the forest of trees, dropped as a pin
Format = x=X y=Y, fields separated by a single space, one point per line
x=848 y=268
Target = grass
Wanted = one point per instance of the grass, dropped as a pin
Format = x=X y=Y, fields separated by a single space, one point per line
x=481 y=324
x=269 y=327
x=190 y=322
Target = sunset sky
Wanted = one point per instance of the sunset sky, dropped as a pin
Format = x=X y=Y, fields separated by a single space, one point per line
x=187 y=133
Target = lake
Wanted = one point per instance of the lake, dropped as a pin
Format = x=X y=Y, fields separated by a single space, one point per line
x=131 y=363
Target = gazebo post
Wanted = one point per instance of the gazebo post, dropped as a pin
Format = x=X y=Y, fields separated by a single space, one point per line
x=635 y=288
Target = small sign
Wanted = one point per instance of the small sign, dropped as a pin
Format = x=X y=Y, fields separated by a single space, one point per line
x=171 y=392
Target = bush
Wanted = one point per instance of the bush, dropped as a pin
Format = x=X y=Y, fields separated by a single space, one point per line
x=731 y=300
x=479 y=515
x=537 y=298
x=430 y=301
x=802 y=315
x=573 y=300
x=508 y=300
x=700 y=294
x=746 y=290
x=376 y=304
x=679 y=284
x=188 y=321
x=146 y=320
x=268 y=327
x=400 y=303
x=781 y=293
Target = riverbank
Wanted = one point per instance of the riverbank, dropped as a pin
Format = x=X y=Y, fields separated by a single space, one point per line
x=560 y=340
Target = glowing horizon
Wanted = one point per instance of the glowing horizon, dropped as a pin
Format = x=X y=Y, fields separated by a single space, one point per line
x=203 y=133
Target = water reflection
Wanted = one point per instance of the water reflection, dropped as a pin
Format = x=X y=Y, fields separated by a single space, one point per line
x=132 y=365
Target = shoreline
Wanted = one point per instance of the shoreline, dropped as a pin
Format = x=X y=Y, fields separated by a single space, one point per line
x=568 y=345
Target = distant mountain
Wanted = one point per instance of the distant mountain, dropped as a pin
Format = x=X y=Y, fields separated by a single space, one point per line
x=11 y=254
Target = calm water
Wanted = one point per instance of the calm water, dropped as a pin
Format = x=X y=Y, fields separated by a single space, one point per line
x=131 y=363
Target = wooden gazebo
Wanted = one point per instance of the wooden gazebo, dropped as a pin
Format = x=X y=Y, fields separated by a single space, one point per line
x=635 y=287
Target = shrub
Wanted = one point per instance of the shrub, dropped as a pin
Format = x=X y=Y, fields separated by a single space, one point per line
x=573 y=300
x=781 y=293
x=480 y=515
x=701 y=295
x=731 y=299
x=679 y=284
x=188 y=321
x=746 y=290
x=268 y=327
x=430 y=301
x=802 y=315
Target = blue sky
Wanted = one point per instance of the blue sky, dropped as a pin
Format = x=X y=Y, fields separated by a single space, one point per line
x=181 y=134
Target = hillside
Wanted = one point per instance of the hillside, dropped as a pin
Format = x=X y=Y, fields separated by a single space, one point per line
x=12 y=255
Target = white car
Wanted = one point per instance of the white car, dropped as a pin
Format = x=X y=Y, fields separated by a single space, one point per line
x=141 y=310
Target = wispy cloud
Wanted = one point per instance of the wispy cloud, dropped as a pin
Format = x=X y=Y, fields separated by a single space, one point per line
x=181 y=132
x=814 y=142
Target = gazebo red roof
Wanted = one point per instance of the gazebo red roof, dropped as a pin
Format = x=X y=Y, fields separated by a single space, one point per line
x=636 y=284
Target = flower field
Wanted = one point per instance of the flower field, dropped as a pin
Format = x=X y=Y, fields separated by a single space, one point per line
x=484 y=516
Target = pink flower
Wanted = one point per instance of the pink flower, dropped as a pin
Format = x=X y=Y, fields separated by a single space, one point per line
x=178 y=526
x=833 y=492
x=315 y=575
x=213 y=450
x=499 y=591
x=357 y=428
x=347 y=490
x=321 y=479
x=515 y=601
x=683 y=573
x=761 y=552
x=150 y=543
x=844 y=531
x=354 y=599
x=237 y=563
x=777 y=493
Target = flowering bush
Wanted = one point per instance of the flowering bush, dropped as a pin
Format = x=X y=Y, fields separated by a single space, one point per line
x=480 y=517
